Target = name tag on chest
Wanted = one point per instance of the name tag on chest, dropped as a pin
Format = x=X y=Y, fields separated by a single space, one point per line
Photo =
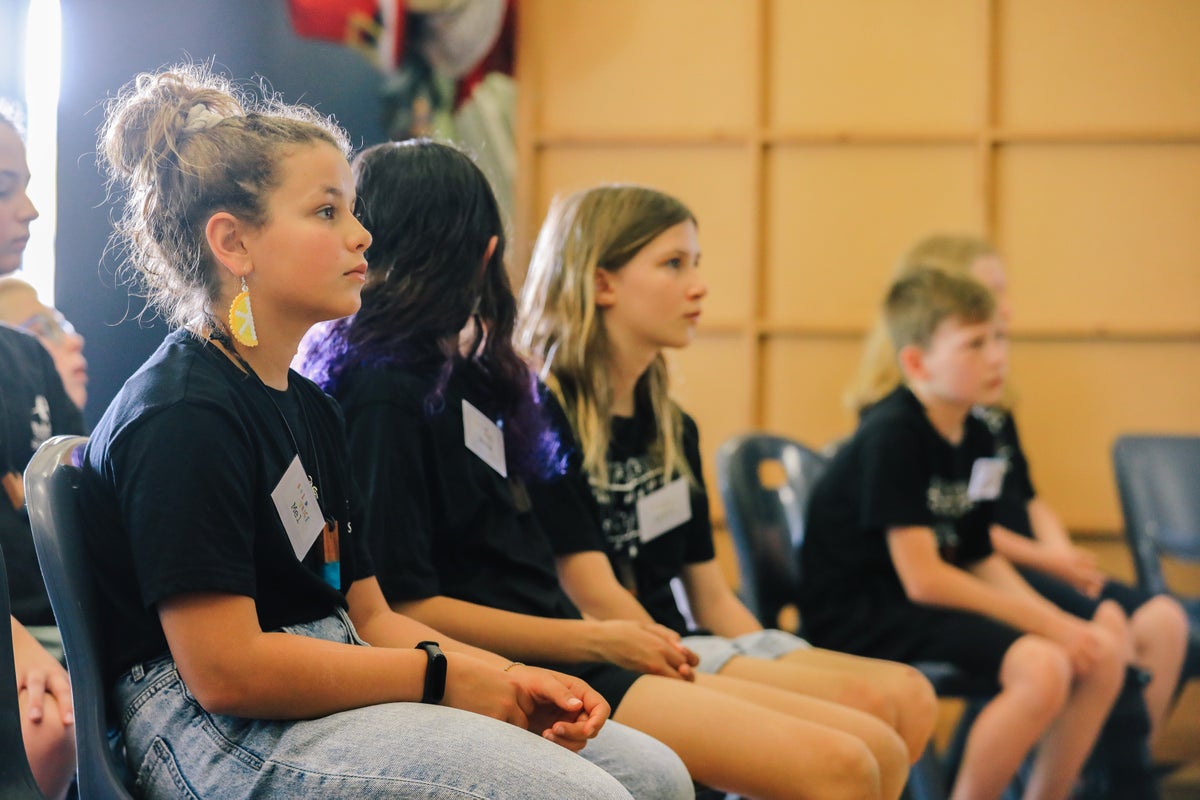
x=987 y=477
x=298 y=509
x=663 y=510
x=484 y=438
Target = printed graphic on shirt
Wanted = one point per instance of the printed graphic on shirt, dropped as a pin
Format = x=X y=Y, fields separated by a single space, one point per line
x=628 y=481
x=40 y=427
x=948 y=501
x=994 y=419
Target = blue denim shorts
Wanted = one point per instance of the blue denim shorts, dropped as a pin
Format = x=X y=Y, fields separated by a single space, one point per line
x=769 y=644
x=176 y=749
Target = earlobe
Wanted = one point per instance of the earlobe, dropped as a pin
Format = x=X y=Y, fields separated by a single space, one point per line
x=224 y=235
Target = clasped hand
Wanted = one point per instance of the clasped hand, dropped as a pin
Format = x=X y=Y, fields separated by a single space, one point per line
x=558 y=707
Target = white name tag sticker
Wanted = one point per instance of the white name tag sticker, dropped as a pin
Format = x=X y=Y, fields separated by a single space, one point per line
x=298 y=509
x=987 y=476
x=484 y=438
x=664 y=510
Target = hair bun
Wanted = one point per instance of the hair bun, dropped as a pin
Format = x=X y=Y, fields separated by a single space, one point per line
x=199 y=117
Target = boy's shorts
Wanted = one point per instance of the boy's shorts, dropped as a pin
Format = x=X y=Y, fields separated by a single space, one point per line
x=1075 y=602
x=975 y=644
x=715 y=651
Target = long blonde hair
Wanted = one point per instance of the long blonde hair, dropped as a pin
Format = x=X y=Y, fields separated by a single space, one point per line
x=878 y=373
x=559 y=327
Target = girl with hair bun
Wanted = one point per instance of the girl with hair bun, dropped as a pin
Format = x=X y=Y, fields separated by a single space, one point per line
x=237 y=595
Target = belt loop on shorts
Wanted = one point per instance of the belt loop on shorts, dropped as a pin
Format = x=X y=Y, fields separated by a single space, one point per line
x=138 y=672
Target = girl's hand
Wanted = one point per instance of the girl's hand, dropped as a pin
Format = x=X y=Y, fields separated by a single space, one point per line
x=39 y=675
x=562 y=708
x=475 y=686
x=647 y=647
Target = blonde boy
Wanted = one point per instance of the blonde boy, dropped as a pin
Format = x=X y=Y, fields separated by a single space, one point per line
x=898 y=561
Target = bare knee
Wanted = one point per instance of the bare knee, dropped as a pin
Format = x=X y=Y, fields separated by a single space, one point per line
x=1039 y=671
x=917 y=697
x=866 y=696
x=50 y=749
x=1161 y=617
x=851 y=771
x=891 y=755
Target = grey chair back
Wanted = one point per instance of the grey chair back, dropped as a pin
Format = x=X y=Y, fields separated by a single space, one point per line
x=1158 y=480
x=51 y=493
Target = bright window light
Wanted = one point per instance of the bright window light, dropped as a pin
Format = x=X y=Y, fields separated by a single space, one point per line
x=43 y=57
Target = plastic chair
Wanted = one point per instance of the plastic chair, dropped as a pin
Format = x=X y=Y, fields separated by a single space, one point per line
x=51 y=486
x=1158 y=479
x=16 y=778
x=766 y=523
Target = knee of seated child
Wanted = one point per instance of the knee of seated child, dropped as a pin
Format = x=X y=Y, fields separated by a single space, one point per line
x=1041 y=667
x=1111 y=617
x=860 y=693
x=850 y=769
x=48 y=742
x=916 y=693
x=1161 y=615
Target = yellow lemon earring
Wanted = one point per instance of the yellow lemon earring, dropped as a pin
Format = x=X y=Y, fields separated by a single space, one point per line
x=241 y=318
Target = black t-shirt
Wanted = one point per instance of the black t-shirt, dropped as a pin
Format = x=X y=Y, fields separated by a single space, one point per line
x=1012 y=507
x=33 y=407
x=896 y=471
x=441 y=521
x=177 y=487
x=581 y=516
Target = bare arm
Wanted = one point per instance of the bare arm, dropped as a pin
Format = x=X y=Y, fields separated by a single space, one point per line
x=559 y=707
x=714 y=604
x=233 y=667
x=642 y=647
x=1047 y=527
x=1068 y=563
x=992 y=588
x=588 y=579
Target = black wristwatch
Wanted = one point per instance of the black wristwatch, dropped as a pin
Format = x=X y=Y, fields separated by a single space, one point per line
x=435 y=673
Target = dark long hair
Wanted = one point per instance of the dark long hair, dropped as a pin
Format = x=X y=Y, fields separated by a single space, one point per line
x=432 y=213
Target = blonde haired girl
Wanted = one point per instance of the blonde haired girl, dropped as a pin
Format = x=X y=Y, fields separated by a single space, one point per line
x=613 y=281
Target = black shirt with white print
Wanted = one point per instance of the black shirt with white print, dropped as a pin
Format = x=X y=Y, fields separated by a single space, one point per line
x=895 y=471
x=33 y=407
x=184 y=489
x=567 y=505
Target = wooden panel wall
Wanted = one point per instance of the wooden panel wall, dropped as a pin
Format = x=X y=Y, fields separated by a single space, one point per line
x=817 y=139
